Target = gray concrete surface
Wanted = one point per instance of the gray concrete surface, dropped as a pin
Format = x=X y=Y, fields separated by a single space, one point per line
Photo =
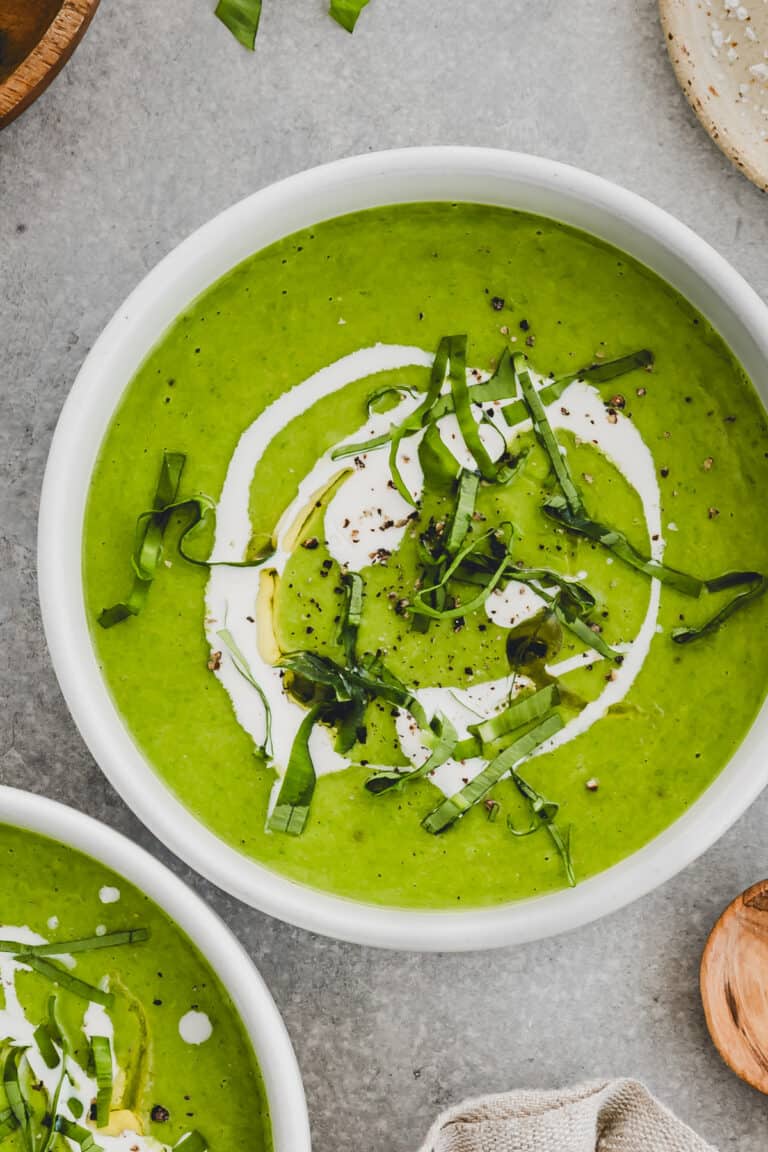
x=160 y=121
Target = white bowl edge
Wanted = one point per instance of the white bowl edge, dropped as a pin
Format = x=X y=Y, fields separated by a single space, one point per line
x=445 y=173
x=263 y=1023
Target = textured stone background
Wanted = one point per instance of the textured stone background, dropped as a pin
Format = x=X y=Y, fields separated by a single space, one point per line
x=159 y=122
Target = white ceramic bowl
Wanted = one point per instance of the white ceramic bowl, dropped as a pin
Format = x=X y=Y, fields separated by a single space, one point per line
x=455 y=174
x=249 y=993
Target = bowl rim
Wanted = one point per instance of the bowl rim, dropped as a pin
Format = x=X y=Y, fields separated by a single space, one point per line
x=44 y=61
x=216 y=942
x=674 y=251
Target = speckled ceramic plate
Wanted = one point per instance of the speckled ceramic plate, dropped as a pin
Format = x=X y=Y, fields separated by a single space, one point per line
x=719 y=49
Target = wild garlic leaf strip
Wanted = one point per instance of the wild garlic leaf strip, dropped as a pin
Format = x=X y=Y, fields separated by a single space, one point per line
x=60 y=977
x=756 y=584
x=241 y=17
x=421 y=605
x=521 y=711
x=454 y=807
x=347 y=12
x=544 y=812
x=597 y=373
x=101 y=1058
x=462 y=405
x=148 y=542
x=469 y=483
x=14 y=1095
x=546 y=438
x=443 y=742
x=616 y=542
x=84 y=944
x=291 y=810
x=8 y=1123
x=77 y=1133
x=352 y=613
x=243 y=667
x=150 y=531
x=412 y=424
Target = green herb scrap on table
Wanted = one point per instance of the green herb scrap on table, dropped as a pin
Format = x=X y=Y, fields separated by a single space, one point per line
x=461 y=548
x=242 y=17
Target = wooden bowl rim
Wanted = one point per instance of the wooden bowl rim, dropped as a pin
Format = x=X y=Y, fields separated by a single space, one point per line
x=35 y=72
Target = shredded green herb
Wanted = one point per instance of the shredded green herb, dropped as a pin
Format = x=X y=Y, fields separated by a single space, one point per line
x=421 y=605
x=616 y=542
x=438 y=463
x=45 y=1045
x=463 y=408
x=8 y=1123
x=354 y=588
x=597 y=373
x=347 y=12
x=546 y=437
x=291 y=811
x=101 y=1057
x=242 y=666
x=241 y=17
x=150 y=531
x=64 y=979
x=13 y=1093
x=521 y=711
x=85 y=944
x=148 y=544
x=466 y=496
x=82 y=1136
x=454 y=807
x=441 y=739
x=756 y=584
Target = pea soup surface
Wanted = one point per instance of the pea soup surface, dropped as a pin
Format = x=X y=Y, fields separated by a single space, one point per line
x=116 y=1033
x=485 y=659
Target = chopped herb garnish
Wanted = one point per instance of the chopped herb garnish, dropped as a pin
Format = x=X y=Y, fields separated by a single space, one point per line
x=8 y=1123
x=466 y=495
x=438 y=463
x=546 y=437
x=470 y=429
x=82 y=1136
x=242 y=19
x=616 y=542
x=85 y=944
x=419 y=416
x=13 y=1093
x=347 y=12
x=353 y=585
x=45 y=1045
x=521 y=711
x=505 y=537
x=544 y=812
x=291 y=811
x=756 y=585
x=441 y=738
x=150 y=530
x=64 y=979
x=148 y=545
x=598 y=373
x=242 y=666
x=454 y=807
x=101 y=1055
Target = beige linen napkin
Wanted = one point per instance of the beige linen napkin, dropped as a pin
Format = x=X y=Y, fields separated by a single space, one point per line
x=602 y=1116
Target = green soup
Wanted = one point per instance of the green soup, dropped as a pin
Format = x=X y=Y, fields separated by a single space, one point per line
x=557 y=564
x=124 y=1039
